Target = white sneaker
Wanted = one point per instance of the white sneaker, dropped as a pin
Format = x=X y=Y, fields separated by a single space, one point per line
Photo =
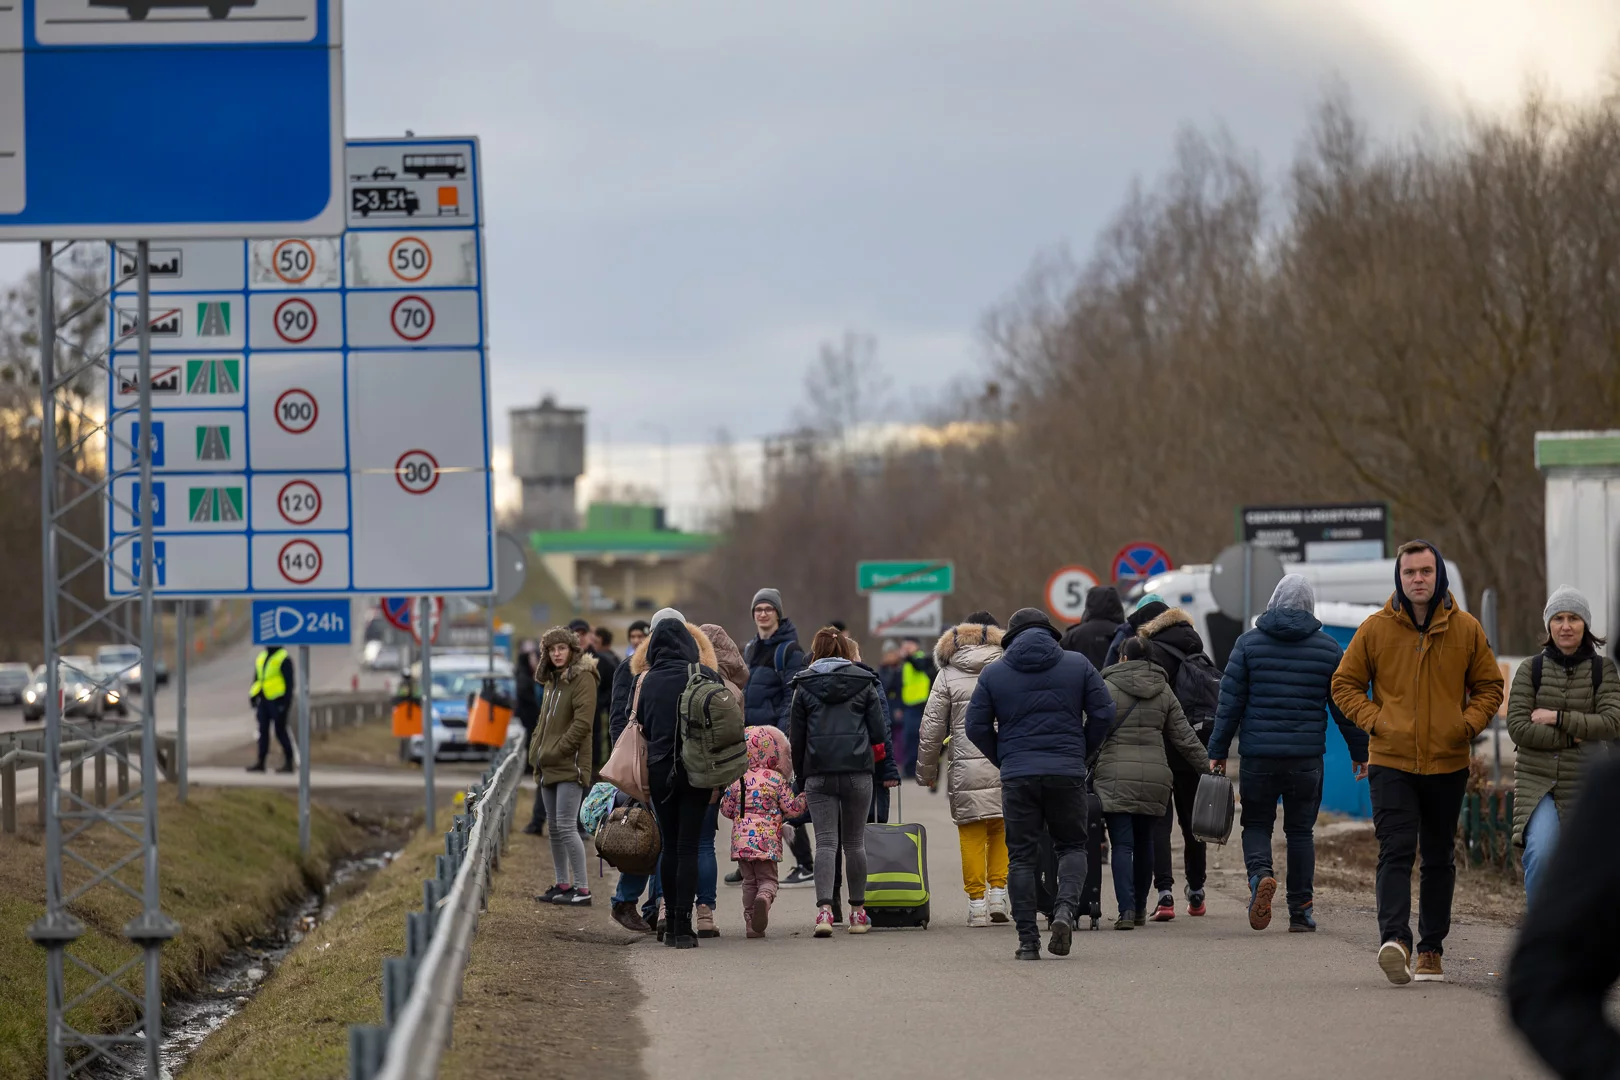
x=978 y=913
x=1396 y=962
x=1000 y=909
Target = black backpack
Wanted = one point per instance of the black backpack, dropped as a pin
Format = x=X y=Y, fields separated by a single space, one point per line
x=1198 y=688
x=1535 y=673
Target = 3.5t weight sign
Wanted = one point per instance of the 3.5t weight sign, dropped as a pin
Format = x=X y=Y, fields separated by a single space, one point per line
x=295 y=320
x=296 y=411
x=410 y=259
x=300 y=562
x=299 y=502
x=417 y=471
x=412 y=318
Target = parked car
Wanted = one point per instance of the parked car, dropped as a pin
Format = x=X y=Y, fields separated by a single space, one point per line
x=14 y=679
x=79 y=697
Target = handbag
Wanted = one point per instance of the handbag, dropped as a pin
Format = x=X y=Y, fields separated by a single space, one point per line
x=626 y=767
x=629 y=840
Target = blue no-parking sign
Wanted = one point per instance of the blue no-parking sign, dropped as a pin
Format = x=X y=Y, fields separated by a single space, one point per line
x=1141 y=559
x=214 y=118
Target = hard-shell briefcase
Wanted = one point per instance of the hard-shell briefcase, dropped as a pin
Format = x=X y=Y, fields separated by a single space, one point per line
x=1214 y=807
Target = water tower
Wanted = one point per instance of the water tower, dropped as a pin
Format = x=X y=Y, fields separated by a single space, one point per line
x=548 y=458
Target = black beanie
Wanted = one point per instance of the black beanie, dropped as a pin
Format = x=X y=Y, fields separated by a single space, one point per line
x=1146 y=614
x=1028 y=619
x=983 y=618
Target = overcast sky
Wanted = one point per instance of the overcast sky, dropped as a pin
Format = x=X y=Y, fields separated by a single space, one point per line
x=684 y=199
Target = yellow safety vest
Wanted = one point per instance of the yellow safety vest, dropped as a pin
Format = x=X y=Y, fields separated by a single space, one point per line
x=268 y=681
x=914 y=685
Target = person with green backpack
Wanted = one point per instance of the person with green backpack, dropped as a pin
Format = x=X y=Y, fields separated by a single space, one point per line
x=693 y=726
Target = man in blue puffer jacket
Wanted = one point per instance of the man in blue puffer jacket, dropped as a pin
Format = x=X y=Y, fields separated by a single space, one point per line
x=1276 y=697
x=1034 y=714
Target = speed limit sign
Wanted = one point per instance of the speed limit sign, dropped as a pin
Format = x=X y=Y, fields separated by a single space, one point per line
x=295 y=320
x=299 y=562
x=412 y=318
x=1066 y=592
x=417 y=471
x=293 y=261
x=410 y=258
x=296 y=411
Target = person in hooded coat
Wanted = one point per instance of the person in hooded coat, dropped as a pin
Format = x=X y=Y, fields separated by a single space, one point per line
x=1104 y=614
x=561 y=754
x=1147 y=609
x=972 y=784
x=1276 y=696
x=1033 y=715
x=1133 y=775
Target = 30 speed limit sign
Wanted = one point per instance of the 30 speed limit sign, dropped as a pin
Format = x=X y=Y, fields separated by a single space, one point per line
x=295 y=320
x=417 y=471
x=1066 y=592
x=412 y=318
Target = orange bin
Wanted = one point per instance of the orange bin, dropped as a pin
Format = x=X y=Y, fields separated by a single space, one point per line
x=489 y=717
x=407 y=711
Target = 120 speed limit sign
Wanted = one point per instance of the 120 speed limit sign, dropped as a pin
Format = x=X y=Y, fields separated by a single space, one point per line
x=417 y=471
x=412 y=317
x=299 y=502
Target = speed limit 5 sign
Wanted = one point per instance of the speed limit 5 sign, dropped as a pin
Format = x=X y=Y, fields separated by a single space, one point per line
x=1066 y=592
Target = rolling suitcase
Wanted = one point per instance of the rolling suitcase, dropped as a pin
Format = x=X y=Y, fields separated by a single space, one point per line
x=897 y=872
x=1214 y=808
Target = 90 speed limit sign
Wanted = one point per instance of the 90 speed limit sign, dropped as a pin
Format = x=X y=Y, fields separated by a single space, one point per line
x=1066 y=592
x=295 y=320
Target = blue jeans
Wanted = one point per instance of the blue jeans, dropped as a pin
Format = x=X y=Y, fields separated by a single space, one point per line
x=1297 y=781
x=708 y=882
x=631 y=887
x=1540 y=837
x=1131 y=836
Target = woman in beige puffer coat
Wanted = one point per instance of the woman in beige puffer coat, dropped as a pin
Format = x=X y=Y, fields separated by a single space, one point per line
x=973 y=784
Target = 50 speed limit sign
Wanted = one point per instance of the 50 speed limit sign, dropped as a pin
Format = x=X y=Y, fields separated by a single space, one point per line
x=412 y=317
x=410 y=258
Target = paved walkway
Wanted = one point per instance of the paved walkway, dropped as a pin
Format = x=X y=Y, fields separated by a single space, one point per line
x=1206 y=997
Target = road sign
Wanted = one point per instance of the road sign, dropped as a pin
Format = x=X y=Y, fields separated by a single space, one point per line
x=1141 y=559
x=1066 y=592
x=1330 y=532
x=511 y=567
x=400 y=612
x=301 y=621
x=914 y=576
x=334 y=390
x=906 y=614
x=1262 y=569
x=226 y=121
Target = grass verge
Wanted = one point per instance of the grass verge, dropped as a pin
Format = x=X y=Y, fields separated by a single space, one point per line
x=297 y=1025
x=228 y=864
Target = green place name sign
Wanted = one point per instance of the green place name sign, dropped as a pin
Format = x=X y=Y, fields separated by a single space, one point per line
x=915 y=575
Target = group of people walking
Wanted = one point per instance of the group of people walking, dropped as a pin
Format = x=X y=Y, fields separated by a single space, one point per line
x=1046 y=741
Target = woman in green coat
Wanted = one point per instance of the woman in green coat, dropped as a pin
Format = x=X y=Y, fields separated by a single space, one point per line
x=1563 y=711
x=561 y=754
x=1132 y=778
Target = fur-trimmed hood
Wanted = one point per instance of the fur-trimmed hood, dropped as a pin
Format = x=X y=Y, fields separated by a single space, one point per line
x=1157 y=625
x=970 y=645
x=706 y=657
x=578 y=659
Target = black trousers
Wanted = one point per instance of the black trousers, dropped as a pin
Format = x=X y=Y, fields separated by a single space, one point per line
x=680 y=809
x=1183 y=795
x=1056 y=804
x=274 y=713
x=1414 y=813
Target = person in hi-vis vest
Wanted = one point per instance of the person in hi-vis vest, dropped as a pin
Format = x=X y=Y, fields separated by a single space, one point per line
x=917 y=671
x=271 y=694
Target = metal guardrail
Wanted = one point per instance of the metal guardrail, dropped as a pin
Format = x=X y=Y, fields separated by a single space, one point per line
x=421 y=988
x=25 y=754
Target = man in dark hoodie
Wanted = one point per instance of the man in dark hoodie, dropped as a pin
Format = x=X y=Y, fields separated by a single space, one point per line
x=1276 y=697
x=1434 y=686
x=1101 y=620
x=1033 y=715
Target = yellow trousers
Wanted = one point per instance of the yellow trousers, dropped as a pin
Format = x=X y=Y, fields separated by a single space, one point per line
x=984 y=856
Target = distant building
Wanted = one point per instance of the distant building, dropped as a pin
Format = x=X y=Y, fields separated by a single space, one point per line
x=624 y=564
x=548 y=458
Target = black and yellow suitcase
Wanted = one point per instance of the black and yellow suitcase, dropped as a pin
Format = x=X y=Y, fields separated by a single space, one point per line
x=897 y=872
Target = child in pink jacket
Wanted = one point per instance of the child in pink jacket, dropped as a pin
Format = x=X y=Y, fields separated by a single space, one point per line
x=757 y=805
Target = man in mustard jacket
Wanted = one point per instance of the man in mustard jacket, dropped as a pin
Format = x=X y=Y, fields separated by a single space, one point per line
x=1434 y=686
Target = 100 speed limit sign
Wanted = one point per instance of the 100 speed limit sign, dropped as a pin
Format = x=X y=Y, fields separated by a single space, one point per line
x=1066 y=592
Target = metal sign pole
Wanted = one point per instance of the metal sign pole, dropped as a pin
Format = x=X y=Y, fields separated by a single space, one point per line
x=424 y=632
x=1248 y=586
x=182 y=637
x=303 y=749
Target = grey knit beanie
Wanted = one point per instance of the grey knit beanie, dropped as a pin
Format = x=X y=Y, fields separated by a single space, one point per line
x=664 y=614
x=772 y=597
x=1567 y=598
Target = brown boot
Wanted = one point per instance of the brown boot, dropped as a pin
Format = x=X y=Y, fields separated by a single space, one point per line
x=704 y=921
x=626 y=915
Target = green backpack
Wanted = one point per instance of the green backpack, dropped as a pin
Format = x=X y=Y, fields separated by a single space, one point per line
x=713 y=749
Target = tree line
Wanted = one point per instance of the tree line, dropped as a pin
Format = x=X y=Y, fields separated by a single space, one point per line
x=1387 y=321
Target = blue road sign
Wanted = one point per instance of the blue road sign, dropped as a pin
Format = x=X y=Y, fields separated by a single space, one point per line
x=160 y=515
x=160 y=562
x=226 y=119
x=157 y=441
x=301 y=622
x=1141 y=560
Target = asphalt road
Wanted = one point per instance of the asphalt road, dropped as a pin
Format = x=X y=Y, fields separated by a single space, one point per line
x=1207 y=997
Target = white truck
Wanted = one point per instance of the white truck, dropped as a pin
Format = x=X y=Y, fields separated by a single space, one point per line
x=1582 y=472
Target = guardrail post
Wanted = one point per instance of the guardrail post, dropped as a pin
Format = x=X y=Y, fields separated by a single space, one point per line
x=101 y=777
x=8 y=797
x=76 y=776
x=396 y=987
x=39 y=797
x=123 y=771
x=367 y=1044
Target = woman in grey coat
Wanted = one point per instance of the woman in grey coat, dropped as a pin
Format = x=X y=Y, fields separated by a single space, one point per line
x=973 y=784
x=1132 y=778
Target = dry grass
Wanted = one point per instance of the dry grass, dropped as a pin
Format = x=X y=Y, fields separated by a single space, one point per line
x=1347 y=862
x=228 y=864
